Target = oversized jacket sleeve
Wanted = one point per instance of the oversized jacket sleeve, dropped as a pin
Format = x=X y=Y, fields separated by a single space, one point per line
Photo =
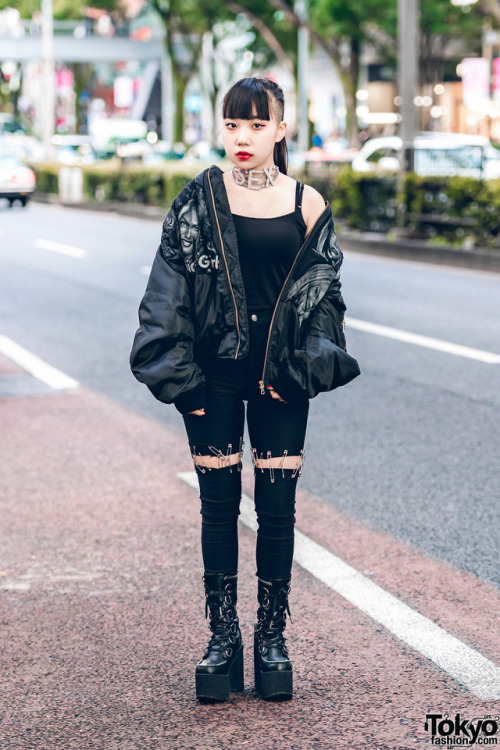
x=321 y=363
x=326 y=320
x=162 y=352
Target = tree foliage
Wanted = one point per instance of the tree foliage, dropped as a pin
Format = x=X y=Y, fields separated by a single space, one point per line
x=64 y=10
x=341 y=27
x=275 y=35
x=442 y=25
x=185 y=22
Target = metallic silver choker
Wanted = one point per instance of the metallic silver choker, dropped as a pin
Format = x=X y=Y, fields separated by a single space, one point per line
x=256 y=179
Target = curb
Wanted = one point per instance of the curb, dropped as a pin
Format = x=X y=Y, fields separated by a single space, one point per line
x=370 y=243
x=479 y=258
x=135 y=210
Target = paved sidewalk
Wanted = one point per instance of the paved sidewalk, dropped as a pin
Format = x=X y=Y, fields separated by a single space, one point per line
x=102 y=603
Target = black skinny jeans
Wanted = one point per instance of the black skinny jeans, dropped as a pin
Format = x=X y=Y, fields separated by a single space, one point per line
x=275 y=430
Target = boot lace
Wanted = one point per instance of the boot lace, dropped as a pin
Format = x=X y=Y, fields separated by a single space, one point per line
x=271 y=619
x=223 y=622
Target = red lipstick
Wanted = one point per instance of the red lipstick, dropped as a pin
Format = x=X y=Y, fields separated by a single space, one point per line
x=243 y=155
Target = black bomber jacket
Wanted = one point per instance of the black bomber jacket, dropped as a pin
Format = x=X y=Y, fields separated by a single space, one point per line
x=194 y=305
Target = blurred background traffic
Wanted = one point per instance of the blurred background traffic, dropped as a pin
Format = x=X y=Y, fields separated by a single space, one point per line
x=393 y=106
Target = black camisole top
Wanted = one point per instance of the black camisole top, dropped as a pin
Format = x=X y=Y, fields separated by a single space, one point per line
x=267 y=249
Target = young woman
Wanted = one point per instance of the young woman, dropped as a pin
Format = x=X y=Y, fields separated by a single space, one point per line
x=243 y=305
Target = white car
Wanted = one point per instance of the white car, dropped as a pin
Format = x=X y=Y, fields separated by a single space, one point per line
x=436 y=154
x=73 y=150
x=17 y=181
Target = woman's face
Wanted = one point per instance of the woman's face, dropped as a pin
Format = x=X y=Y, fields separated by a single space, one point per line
x=250 y=143
x=188 y=228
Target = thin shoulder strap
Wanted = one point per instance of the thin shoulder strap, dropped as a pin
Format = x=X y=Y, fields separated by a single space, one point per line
x=299 y=190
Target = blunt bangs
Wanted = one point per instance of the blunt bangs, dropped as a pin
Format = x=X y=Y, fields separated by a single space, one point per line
x=246 y=100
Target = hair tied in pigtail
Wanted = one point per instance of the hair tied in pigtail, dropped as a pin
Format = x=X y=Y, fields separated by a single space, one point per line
x=250 y=97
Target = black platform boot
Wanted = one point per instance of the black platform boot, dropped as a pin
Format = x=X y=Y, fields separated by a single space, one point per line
x=221 y=669
x=273 y=668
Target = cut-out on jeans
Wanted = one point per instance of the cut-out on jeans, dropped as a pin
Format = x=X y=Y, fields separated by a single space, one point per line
x=275 y=430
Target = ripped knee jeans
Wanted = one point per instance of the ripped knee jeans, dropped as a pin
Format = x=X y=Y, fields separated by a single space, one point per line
x=277 y=434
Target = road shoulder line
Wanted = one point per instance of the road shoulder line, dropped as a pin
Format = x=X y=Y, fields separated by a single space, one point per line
x=426 y=341
x=466 y=665
x=41 y=370
x=59 y=247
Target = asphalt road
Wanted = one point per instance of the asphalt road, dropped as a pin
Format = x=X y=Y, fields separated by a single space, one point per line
x=410 y=448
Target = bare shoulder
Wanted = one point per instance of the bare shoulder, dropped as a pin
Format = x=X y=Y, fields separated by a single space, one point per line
x=313 y=205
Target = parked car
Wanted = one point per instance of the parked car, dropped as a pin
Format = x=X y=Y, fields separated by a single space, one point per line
x=335 y=150
x=204 y=151
x=17 y=181
x=73 y=150
x=10 y=124
x=24 y=148
x=436 y=154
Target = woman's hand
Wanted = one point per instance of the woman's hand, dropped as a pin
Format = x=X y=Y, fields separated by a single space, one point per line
x=198 y=412
x=275 y=395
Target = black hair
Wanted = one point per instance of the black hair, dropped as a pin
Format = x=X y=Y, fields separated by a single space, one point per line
x=250 y=97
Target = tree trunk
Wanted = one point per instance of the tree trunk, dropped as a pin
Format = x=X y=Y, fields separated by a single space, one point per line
x=351 y=116
x=349 y=75
x=180 y=85
x=350 y=80
x=491 y=7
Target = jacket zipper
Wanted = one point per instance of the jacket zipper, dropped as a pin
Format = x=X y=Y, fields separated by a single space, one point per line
x=227 y=269
x=299 y=251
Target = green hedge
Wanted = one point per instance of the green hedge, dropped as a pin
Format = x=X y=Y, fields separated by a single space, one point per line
x=46 y=177
x=150 y=187
x=365 y=203
x=453 y=209
x=130 y=184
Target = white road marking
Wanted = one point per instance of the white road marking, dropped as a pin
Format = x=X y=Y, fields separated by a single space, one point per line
x=413 y=338
x=145 y=270
x=464 y=664
x=58 y=247
x=36 y=366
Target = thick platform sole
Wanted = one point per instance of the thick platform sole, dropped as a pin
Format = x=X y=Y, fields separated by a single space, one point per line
x=216 y=687
x=274 y=685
